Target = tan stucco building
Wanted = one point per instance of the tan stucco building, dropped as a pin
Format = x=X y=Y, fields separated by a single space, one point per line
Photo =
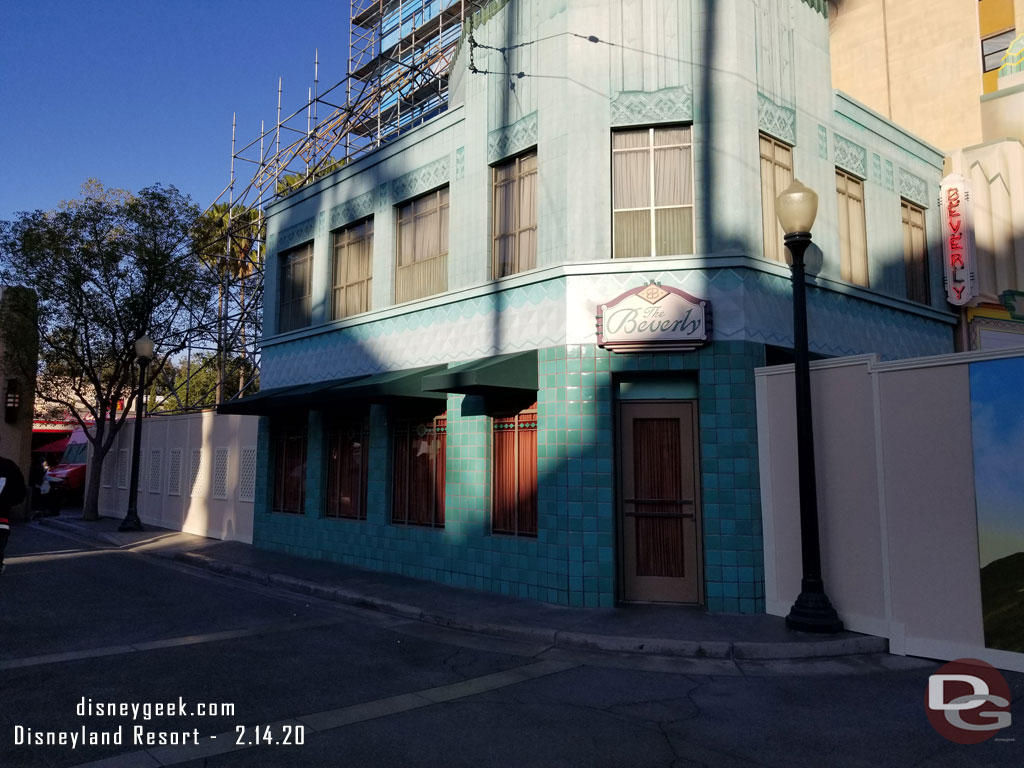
x=952 y=72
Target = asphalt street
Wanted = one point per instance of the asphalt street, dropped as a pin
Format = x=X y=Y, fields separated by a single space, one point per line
x=204 y=670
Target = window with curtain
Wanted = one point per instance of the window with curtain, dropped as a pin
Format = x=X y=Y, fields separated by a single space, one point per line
x=347 y=457
x=915 y=253
x=853 y=244
x=514 y=215
x=419 y=471
x=652 y=192
x=422 y=264
x=514 y=480
x=776 y=175
x=295 y=289
x=353 y=270
x=289 y=443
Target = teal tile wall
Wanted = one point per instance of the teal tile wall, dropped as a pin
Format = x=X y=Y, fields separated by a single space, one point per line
x=572 y=561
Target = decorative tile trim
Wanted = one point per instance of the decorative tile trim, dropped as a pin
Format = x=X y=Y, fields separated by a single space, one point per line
x=421 y=180
x=850 y=156
x=822 y=142
x=673 y=104
x=876 y=168
x=913 y=188
x=509 y=140
x=460 y=163
x=776 y=120
x=351 y=210
x=286 y=238
x=819 y=5
x=889 y=184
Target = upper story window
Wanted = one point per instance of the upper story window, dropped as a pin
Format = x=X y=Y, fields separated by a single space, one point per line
x=296 y=288
x=853 y=244
x=422 y=268
x=994 y=48
x=353 y=270
x=915 y=252
x=514 y=215
x=776 y=175
x=652 y=192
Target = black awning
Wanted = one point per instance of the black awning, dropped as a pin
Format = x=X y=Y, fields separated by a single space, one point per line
x=387 y=386
x=513 y=374
x=279 y=399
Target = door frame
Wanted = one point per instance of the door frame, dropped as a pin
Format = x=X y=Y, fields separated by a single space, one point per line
x=698 y=505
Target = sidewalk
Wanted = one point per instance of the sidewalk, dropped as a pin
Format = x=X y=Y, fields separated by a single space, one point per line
x=665 y=630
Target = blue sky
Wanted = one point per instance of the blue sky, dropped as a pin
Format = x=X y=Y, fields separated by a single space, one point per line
x=135 y=93
x=997 y=427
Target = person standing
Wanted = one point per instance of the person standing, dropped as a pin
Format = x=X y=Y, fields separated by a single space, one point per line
x=12 y=492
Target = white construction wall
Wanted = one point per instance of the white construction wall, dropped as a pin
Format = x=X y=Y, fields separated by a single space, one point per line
x=896 y=498
x=197 y=474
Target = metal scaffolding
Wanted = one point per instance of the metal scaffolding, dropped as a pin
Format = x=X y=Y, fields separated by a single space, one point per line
x=400 y=53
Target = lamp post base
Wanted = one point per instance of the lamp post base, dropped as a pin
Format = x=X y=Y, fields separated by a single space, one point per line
x=131 y=522
x=813 y=612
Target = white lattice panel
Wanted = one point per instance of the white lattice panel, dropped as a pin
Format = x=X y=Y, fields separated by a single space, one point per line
x=220 y=473
x=107 y=477
x=174 y=473
x=156 y=470
x=122 y=468
x=195 y=481
x=247 y=475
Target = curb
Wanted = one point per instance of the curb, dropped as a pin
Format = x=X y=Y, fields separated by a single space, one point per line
x=853 y=645
x=694 y=649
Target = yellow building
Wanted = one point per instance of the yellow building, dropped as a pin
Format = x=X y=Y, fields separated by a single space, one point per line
x=952 y=72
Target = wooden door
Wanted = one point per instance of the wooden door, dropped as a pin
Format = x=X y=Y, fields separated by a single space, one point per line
x=659 y=507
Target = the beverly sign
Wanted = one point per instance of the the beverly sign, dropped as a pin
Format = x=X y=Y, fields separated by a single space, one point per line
x=653 y=317
x=958 y=240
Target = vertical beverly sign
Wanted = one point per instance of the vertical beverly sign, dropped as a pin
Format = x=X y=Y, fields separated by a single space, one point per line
x=958 y=240
x=653 y=317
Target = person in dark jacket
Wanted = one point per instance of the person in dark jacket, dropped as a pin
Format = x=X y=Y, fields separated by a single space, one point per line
x=12 y=492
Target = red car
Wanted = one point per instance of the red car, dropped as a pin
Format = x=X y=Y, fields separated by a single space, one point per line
x=67 y=480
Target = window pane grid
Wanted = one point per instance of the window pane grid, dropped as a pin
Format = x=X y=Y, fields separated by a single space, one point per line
x=353 y=270
x=422 y=249
x=296 y=288
x=853 y=253
x=514 y=216
x=652 y=192
x=419 y=472
x=776 y=175
x=347 y=453
x=915 y=253
x=514 y=477
x=290 y=471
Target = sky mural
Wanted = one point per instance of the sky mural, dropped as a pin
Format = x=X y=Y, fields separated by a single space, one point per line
x=997 y=431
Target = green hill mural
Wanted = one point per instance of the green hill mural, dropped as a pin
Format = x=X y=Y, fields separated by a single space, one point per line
x=1002 y=603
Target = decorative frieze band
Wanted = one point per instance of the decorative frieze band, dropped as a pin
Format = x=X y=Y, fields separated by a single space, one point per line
x=822 y=142
x=357 y=208
x=506 y=141
x=913 y=188
x=294 y=235
x=776 y=120
x=850 y=157
x=666 y=105
x=460 y=163
x=421 y=180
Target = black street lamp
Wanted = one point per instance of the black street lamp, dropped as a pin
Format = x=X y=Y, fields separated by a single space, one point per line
x=144 y=353
x=796 y=207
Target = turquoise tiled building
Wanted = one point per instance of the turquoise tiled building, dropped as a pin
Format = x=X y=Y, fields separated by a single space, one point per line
x=438 y=400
